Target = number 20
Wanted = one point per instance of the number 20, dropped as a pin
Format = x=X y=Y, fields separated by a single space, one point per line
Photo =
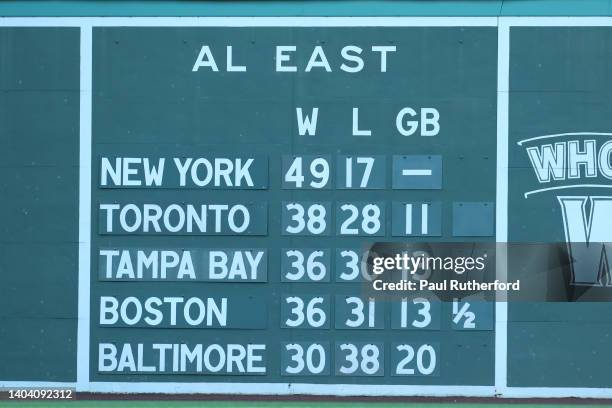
x=422 y=369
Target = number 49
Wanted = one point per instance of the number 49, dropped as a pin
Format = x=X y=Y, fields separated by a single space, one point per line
x=318 y=173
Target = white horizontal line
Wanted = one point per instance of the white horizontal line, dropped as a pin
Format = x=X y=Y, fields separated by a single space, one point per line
x=36 y=384
x=306 y=21
x=520 y=142
x=556 y=21
x=527 y=194
x=278 y=21
x=295 y=388
x=556 y=392
x=416 y=172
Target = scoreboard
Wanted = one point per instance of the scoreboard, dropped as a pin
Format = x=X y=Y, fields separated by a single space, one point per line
x=240 y=174
x=194 y=203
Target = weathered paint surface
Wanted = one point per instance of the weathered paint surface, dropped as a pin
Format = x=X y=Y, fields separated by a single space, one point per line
x=155 y=95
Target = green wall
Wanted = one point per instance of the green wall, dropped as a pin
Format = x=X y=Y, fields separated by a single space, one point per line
x=39 y=158
x=309 y=8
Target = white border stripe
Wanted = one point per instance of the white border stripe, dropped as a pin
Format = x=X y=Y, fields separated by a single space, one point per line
x=5 y=385
x=251 y=21
x=556 y=21
x=501 y=208
x=295 y=389
x=84 y=210
x=561 y=392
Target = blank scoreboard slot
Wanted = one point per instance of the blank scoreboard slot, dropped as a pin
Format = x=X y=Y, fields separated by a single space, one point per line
x=473 y=219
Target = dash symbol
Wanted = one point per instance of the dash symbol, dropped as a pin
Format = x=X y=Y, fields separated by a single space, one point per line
x=416 y=172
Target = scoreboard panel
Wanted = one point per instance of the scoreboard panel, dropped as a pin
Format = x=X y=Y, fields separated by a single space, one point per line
x=240 y=174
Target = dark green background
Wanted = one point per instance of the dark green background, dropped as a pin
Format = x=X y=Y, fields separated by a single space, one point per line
x=148 y=102
x=559 y=82
x=39 y=158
